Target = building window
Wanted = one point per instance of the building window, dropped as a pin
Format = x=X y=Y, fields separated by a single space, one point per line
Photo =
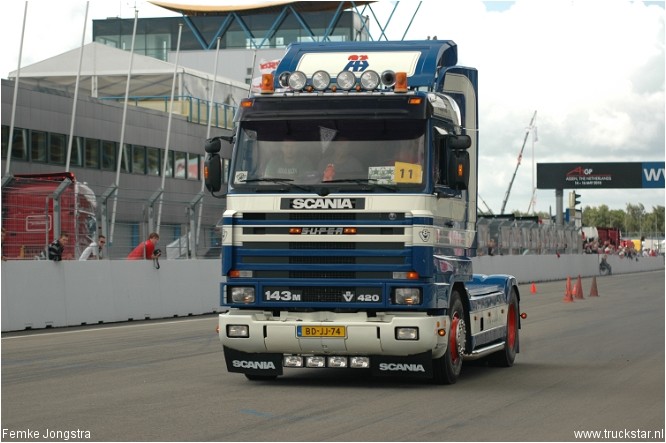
x=92 y=152
x=109 y=155
x=153 y=161
x=193 y=167
x=138 y=159
x=76 y=157
x=181 y=163
x=38 y=142
x=57 y=148
x=20 y=145
x=169 y=166
x=158 y=45
x=126 y=158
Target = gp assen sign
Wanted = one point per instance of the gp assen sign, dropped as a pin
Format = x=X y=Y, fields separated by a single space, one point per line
x=600 y=175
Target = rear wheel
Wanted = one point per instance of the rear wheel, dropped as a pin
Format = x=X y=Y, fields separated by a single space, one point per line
x=447 y=368
x=506 y=356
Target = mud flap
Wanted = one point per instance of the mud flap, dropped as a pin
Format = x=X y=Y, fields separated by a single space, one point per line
x=253 y=364
x=417 y=365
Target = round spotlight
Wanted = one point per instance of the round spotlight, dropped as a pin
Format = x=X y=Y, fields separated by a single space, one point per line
x=283 y=79
x=369 y=80
x=297 y=80
x=346 y=80
x=321 y=80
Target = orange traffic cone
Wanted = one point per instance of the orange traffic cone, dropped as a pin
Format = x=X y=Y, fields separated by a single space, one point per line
x=533 y=289
x=578 y=291
x=567 y=294
x=593 y=290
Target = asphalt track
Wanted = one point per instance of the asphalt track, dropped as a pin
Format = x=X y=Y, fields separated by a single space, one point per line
x=594 y=365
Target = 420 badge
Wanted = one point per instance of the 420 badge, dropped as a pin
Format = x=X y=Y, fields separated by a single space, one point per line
x=323 y=294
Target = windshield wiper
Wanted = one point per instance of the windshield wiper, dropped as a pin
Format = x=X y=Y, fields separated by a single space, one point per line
x=361 y=181
x=283 y=181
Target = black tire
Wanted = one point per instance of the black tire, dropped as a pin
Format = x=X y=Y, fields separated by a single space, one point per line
x=255 y=377
x=447 y=368
x=507 y=355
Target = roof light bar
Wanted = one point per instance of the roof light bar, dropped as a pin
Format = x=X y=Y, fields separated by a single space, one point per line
x=369 y=80
x=297 y=80
x=321 y=80
x=346 y=80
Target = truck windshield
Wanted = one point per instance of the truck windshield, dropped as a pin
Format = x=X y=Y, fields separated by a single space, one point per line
x=359 y=154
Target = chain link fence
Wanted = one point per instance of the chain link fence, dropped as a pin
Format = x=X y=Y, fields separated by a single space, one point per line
x=36 y=209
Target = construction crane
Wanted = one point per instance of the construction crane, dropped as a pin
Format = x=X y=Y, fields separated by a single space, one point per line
x=520 y=157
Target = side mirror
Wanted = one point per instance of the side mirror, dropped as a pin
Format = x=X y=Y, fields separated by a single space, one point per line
x=457 y=176
x=213 y=145
x=213 y=163
x=457 y=142
x=456 y=168
x=213 y=172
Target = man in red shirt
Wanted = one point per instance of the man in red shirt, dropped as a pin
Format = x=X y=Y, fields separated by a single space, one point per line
x=146 y=249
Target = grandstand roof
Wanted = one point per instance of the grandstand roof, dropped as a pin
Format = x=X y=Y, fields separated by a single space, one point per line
x=150 y=76
x=259 y=7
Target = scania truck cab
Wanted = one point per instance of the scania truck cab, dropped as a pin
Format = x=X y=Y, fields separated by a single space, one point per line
x=351 y=218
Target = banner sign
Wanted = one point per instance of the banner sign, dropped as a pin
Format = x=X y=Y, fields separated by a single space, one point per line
x=600 y=175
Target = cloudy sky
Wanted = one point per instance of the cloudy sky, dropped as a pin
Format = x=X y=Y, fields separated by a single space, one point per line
x=592 y=69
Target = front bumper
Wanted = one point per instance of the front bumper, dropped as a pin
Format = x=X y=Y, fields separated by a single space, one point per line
x=374 y=336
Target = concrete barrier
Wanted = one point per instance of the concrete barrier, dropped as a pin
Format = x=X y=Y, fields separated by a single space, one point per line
x=536 y=268
x=40 y=294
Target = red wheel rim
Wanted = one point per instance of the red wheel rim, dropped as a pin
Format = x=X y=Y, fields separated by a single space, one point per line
x=511 y=327
x=453 y=345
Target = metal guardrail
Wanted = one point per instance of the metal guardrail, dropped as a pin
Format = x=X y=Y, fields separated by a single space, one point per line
x=520 y=237
x=188 y=223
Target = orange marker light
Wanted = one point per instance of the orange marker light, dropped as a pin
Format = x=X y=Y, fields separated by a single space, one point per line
x=411 y=275
x=460 y=170
x=350 y=231
x=295 y=231
x=246 y=103
x=415 y=100
x=267 y=84
x=400 y=82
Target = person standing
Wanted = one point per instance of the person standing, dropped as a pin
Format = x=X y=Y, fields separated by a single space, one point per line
x=146 y=250
x=94 y=249
x=57 y=247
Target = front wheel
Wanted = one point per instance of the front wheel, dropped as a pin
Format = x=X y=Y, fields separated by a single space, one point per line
x=447 y=368
x=507 y=356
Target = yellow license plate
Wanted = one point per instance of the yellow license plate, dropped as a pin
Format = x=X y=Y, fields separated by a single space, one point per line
x=321 y=331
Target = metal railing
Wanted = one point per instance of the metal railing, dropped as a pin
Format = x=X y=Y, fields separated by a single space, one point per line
x=188 y=227
x=520 y=237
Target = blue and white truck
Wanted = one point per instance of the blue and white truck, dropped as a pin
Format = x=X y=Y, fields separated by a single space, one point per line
x=354 y=251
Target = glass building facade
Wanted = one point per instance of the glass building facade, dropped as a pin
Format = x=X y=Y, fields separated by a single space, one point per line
x=155 y=37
